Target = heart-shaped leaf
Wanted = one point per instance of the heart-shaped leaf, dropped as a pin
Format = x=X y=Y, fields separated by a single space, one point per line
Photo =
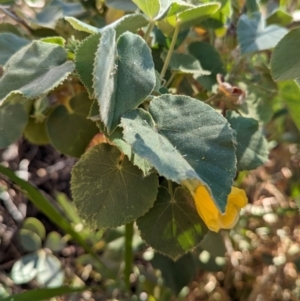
x=184 y=138
x=123 y=75
x=35 y=70
x=254 y=36
x=108 y=190
x=176 y=220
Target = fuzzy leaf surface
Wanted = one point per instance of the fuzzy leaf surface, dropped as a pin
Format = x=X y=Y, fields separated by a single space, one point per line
x=123 y=75
x=35 y=70
x=184 y=138
x=108 y=190
x=84 y=61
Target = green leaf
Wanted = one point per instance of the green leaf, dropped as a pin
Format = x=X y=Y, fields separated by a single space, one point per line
x=29 y=240
x=131 y=23
x=252 y=147
x=195 y=15
x=71 y=132
x=210 y=60
x=176 y=274
x=289 y=93
x=254 y=36
x=35 y=70
x=24 y=269
x=149 y=8
x=186 y=15
x=184 y=138
x=108 y=190
x=13 y=120
x=123 y=75
x=82 y=26
x=84 y=61
x=41 y=294
x=10 y=44
x=36 y=132
x=35 y=226
x=176 y=220
x=252 y=6
x=279 y=17
x=55 y=40
x=125 y=5
x=184 y=63
x=55 y=242
x=117 y=138
x=285 y=60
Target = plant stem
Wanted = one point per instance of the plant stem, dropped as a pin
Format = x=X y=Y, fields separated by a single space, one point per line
x=170 y=79
x=170 y=188
x=128 y=254
x=170 y=52
x=149 y=30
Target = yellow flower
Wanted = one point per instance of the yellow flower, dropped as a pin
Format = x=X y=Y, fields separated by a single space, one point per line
x=211 y=215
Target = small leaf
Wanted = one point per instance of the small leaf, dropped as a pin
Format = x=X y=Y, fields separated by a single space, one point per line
x=35 y=70
x=13 y=120
x=279 y=17
x=176 y=274
x=55 y=40
x=36 y=132
x=149 y=8
x=123 y=75
x=30 y=241
x=184 y=138
x=50 y=273
x=54 y=242
x=185 y=63
x=34 y=225
x=210 y=60
x=185 y=15
x=176 y=220
x=10 y=44
x=24 y=269
x=71 y=132
x=252 y=147
x=84 y=61
x=285 y=60
x=254 y=36
x=8 y=27
x=108 y=190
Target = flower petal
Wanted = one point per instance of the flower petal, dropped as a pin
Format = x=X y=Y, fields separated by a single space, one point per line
x=238 y=197
x=206 y=208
